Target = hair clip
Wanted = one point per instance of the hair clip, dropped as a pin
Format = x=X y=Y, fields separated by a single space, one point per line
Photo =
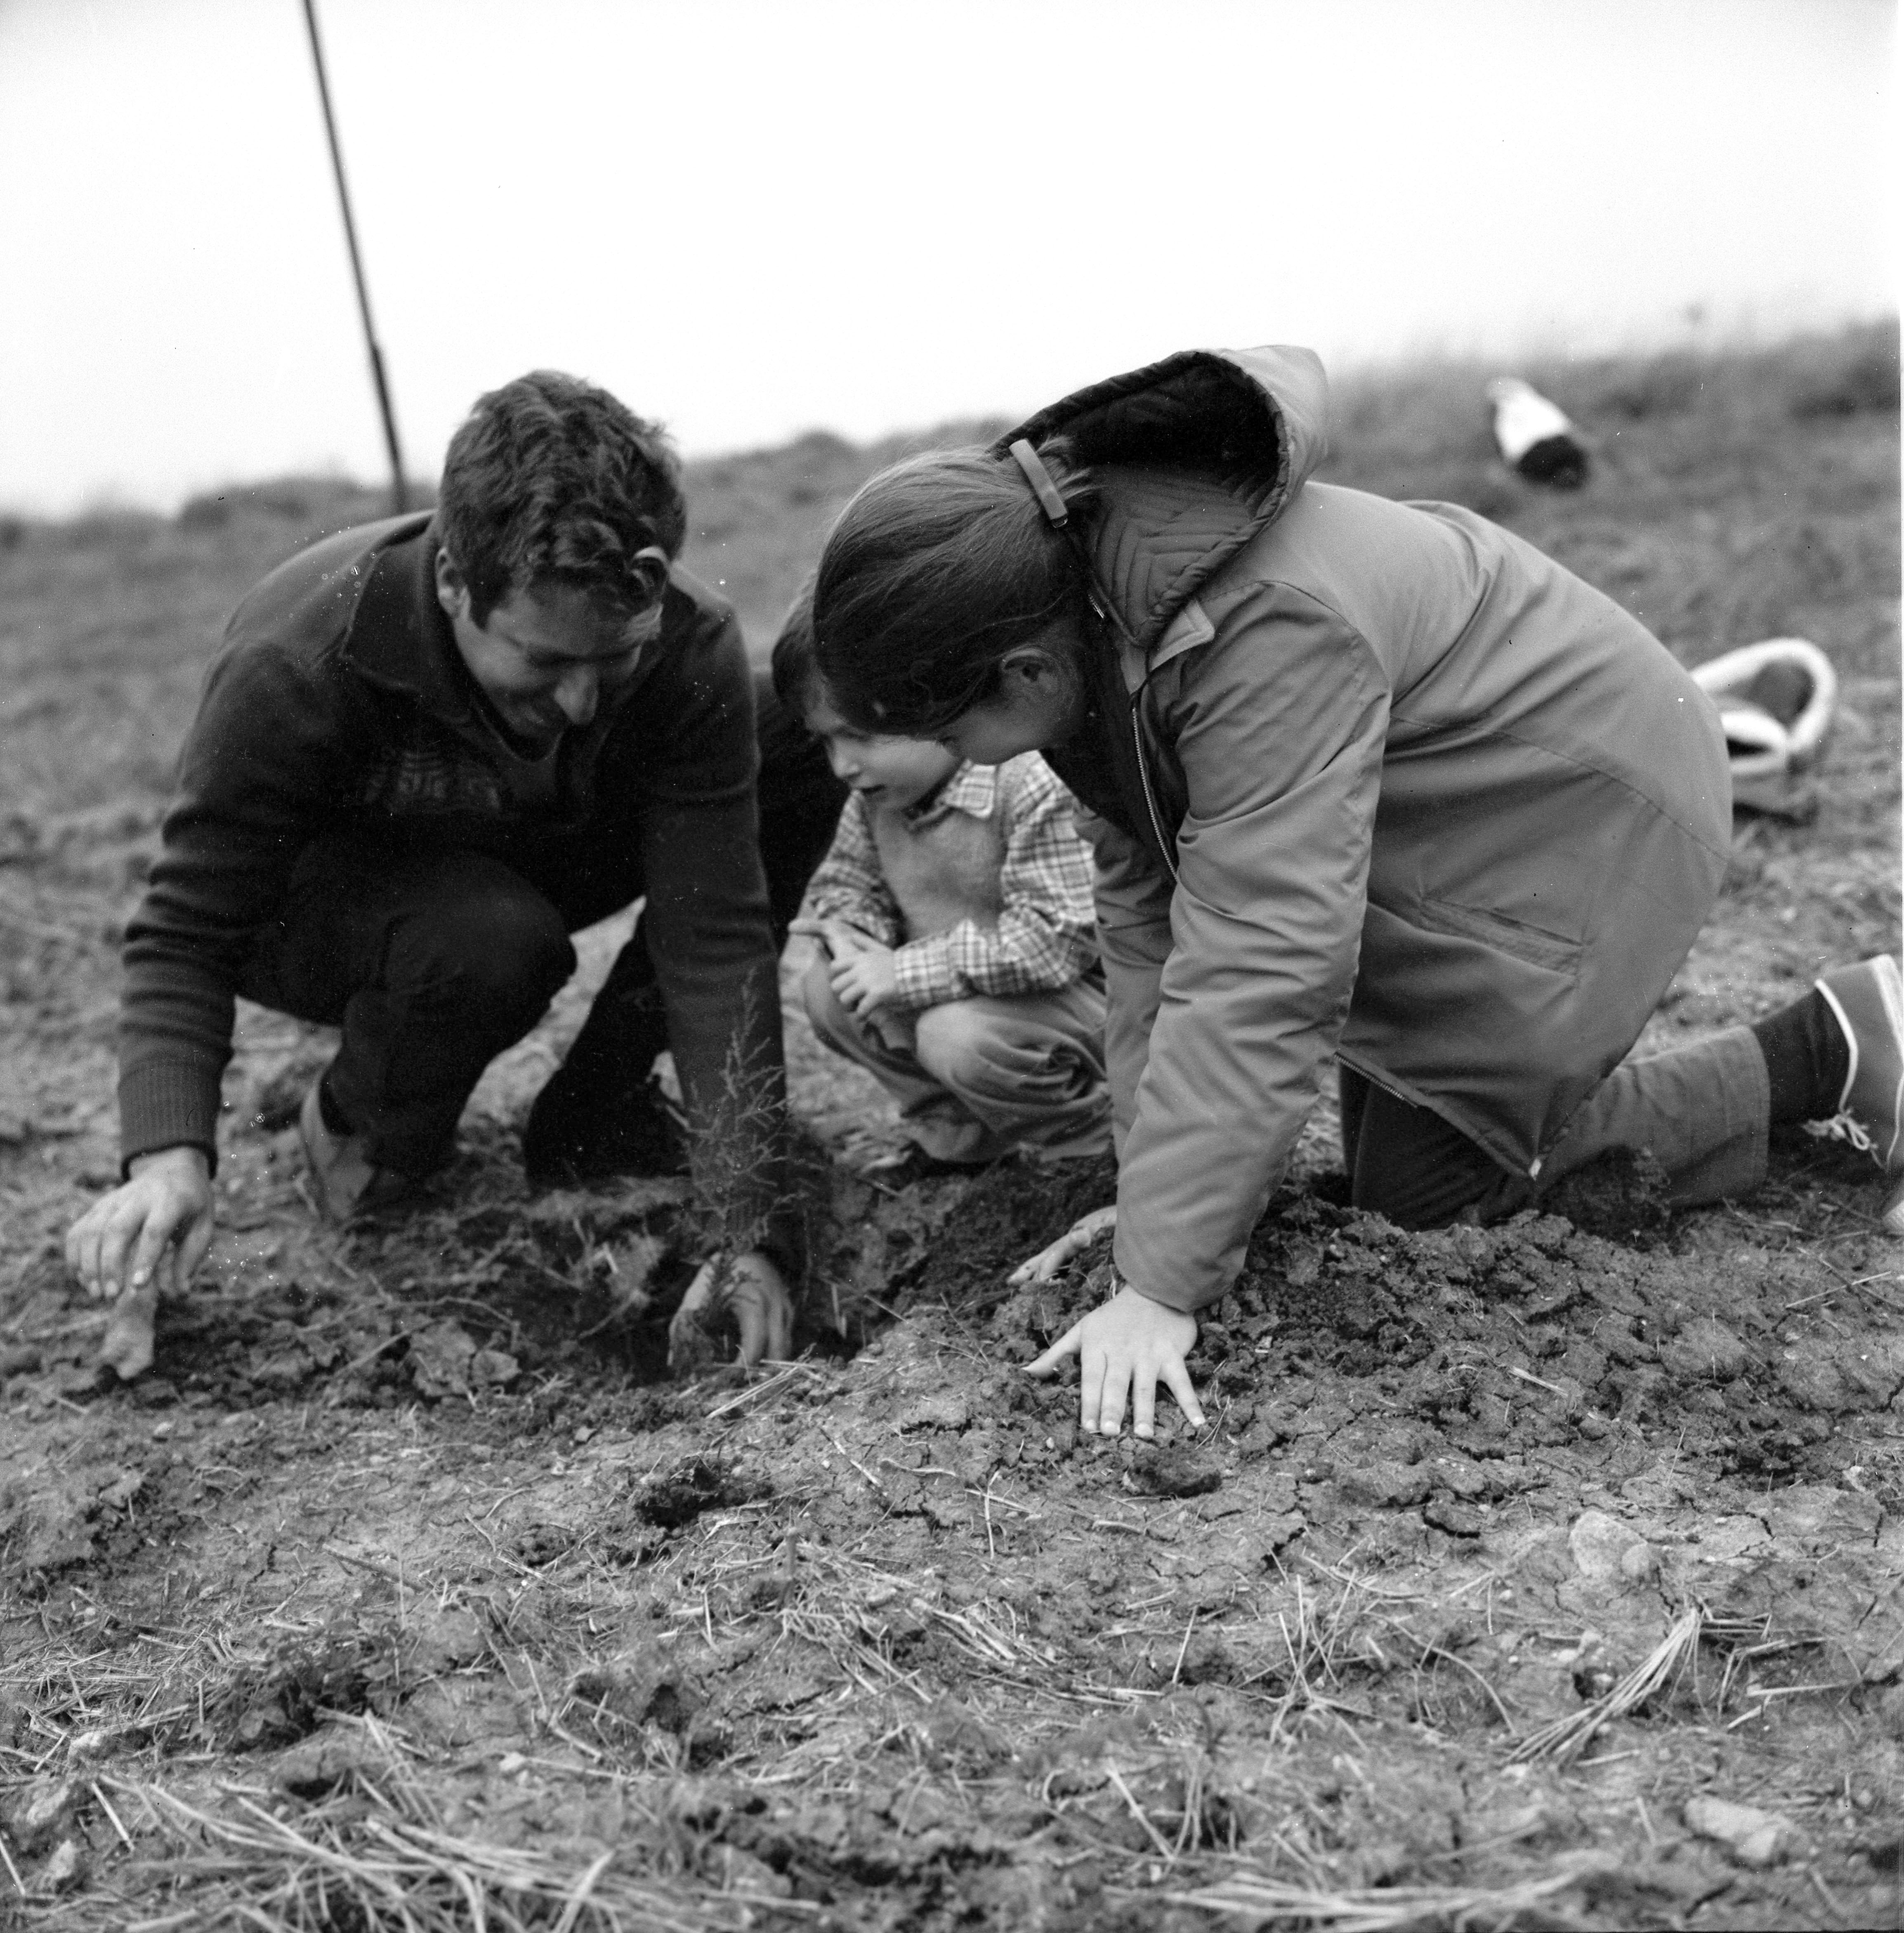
x=1039 y=478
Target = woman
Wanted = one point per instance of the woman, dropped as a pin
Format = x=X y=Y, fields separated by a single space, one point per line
x=1364 y=779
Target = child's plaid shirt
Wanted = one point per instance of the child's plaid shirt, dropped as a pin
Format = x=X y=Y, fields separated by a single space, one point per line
x=995 y=847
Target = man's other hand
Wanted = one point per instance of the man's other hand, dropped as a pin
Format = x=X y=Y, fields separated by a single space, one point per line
x=762 y=1310
x=151 y=1231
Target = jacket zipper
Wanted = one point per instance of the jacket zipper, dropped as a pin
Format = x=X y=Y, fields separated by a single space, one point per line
x=1164 y=846
x=1112 y=619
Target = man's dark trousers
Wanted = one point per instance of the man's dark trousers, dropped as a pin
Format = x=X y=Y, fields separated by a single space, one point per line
x=433 y=963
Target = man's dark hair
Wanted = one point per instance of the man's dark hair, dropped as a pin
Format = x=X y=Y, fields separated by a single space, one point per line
x=550 y=479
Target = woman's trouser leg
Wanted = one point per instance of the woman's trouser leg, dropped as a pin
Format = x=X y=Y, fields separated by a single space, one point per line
x=1702 y=1111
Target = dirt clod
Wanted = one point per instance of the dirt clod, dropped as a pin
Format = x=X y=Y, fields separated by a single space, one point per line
x=678 y=1496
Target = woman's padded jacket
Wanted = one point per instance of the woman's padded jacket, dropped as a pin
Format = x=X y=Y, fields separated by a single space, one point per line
x=1365 y=778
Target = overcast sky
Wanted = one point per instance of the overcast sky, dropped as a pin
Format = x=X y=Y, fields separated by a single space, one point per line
x=750 y=219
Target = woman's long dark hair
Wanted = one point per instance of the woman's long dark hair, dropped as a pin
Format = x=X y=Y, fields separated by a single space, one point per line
x=936 y=570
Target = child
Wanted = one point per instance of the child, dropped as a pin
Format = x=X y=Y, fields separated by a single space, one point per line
x=954 y=913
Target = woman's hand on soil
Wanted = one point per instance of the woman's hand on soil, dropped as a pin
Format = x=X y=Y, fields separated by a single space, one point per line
x=151 y=1230
x=757 y=1296
x=1123 y=1348
x=1078 y=1236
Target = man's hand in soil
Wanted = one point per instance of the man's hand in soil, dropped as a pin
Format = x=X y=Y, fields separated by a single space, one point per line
x=1123 y=1348
x=152 y=1230
x=755 y=1293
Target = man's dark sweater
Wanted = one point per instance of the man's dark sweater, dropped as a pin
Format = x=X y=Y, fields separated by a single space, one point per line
x=340 y=706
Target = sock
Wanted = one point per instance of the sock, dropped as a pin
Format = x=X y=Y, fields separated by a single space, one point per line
x=333 y=1114
x=1807 y=1058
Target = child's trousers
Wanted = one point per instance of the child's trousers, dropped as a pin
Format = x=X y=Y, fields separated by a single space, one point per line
x=975 y=1077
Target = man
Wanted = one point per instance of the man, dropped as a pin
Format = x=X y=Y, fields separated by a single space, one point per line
x=430 y=750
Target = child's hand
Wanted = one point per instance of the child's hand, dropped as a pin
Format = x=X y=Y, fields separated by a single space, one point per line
x=1123 y=1346
x=1078 y=1236
x=840 y=940
x=865 y=981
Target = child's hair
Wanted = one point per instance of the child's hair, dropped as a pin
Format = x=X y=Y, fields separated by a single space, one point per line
x=549 y=478
x=935 y=570
x=796 y=669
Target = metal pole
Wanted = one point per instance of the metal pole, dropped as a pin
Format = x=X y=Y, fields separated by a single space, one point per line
x=398 y=498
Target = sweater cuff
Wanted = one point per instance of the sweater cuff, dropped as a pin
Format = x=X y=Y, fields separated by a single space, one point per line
x=168 y=1103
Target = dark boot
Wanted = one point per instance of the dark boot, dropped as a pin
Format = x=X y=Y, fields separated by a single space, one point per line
x=602 y=1112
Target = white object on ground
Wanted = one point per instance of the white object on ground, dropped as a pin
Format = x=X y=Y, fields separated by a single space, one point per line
x=1772 y=740
x=1524 y=417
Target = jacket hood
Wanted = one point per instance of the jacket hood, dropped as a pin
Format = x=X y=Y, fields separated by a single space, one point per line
x=1196 y=455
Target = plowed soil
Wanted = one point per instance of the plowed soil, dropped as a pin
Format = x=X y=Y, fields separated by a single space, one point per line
x=408 y=1589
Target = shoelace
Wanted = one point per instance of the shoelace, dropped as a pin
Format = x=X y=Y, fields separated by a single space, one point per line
x=1842 y=1127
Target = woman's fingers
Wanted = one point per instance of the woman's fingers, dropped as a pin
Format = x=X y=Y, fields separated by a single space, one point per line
x=1184 y=1391
x=1066 y=1345
x=1118 y=1373
x=1143 y=1400
x=1124 y=1349
x=1091 y=1364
